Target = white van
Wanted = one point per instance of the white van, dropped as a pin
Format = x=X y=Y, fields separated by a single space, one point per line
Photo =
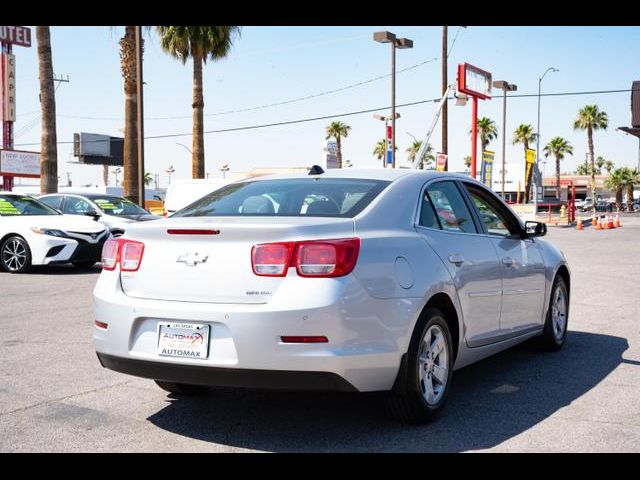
x=184 y=192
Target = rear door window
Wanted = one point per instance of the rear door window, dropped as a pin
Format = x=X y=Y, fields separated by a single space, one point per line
x=448 y=207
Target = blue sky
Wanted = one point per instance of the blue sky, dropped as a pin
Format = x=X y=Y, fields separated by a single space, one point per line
x=273 y=64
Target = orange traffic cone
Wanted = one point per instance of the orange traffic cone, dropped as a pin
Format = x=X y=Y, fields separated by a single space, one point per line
x=579 y=224
x=598 y=224
x=609 y=222
x=594 y=221
x=617 y=223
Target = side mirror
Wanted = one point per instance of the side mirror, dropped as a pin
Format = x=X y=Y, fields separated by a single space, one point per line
x=92 y=213
x=535 y=229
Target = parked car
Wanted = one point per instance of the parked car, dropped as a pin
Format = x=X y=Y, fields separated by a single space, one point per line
x=116 y=213
x=32 y=233
x=374 y=287
x=183 y=192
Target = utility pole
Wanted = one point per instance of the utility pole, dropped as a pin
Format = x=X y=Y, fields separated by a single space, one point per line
x=140 y=116
x=445 y=85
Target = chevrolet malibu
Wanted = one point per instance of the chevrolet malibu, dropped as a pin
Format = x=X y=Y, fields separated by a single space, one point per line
x=349 y=280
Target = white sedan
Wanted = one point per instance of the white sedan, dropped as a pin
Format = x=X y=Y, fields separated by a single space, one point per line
x=349 y=280
x=32 y=233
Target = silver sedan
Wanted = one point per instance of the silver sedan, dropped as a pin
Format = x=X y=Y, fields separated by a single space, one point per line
x=349 y=280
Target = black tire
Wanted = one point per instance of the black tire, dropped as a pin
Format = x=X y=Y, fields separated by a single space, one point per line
x=12 y=263
x=84 y=264
x=551 y=340
x=407 y=403
x=182 y=388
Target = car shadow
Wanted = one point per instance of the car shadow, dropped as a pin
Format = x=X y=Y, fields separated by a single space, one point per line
x=66 y=269
x=490 y=402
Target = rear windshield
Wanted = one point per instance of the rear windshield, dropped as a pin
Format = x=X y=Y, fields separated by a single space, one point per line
x=292 y=197
x=14 y=205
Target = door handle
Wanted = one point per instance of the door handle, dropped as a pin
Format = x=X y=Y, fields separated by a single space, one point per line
x=457 y=259
x=507 y=261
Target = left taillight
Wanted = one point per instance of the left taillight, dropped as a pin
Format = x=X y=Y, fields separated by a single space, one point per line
x=127 y=253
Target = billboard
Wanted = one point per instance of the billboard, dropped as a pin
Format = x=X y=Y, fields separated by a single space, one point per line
x=17 y=163
x=486 y=172
x=16 y=36
x=98 y=149
x=9 y=69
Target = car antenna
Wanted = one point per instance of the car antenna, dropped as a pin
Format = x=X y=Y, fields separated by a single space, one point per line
x=316 y=170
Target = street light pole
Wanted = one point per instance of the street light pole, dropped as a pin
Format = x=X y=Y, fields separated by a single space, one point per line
x=445 y=85
x=505 y=87
x=393 y=104
x=388 y=37
x=538 y=179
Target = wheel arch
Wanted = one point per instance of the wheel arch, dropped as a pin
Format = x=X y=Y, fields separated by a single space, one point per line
x=443 y=302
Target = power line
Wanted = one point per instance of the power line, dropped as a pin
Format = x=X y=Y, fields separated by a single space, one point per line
x=269 y=105
x=345 y=114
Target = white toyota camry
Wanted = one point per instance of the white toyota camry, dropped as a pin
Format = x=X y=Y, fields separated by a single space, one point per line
x=349 y=280
x=32 y=233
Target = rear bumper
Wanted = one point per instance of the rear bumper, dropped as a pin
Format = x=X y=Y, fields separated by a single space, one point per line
x=367 y=338
x=228 y=377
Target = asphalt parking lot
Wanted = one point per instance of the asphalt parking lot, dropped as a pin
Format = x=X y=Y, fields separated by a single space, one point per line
x=55 y=396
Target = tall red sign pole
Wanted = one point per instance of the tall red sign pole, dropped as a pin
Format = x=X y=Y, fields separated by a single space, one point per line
x=7 y=125
x=476 y=83
x=474 y=135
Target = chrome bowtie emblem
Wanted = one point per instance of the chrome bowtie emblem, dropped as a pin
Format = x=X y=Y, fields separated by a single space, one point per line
x=192 y=259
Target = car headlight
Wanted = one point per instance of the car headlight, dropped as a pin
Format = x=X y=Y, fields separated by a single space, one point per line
x=48 y=231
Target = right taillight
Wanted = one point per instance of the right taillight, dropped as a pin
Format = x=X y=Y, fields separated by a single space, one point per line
x=313 y=258
x=128 y=253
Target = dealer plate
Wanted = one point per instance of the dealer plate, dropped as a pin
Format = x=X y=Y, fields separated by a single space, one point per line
x=184 y=340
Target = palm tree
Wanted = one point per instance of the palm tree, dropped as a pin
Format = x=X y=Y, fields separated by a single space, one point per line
x=590 y=118
x=600 y=161
x=487 y=131
x=49 y=148
x=631 y=178
x=608 y=166
x=558 y=147
x=380 y=149
x=148 y=178
x=199 y=43
x=338 y=130
x=524 y=135
x=427 y=156
x=128 y=70
x=615 y=181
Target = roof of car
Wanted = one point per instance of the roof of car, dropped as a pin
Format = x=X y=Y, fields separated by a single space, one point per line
x=389 y=174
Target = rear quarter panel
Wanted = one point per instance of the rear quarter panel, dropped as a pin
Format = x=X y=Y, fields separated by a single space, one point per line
x=395 y=262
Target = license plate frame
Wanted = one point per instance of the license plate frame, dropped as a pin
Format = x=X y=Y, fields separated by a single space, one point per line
x=183 y=340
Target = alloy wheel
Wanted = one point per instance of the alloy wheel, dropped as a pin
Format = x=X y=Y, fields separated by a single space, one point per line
x=433 y=365
x=14 y=255
x=559 y=312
